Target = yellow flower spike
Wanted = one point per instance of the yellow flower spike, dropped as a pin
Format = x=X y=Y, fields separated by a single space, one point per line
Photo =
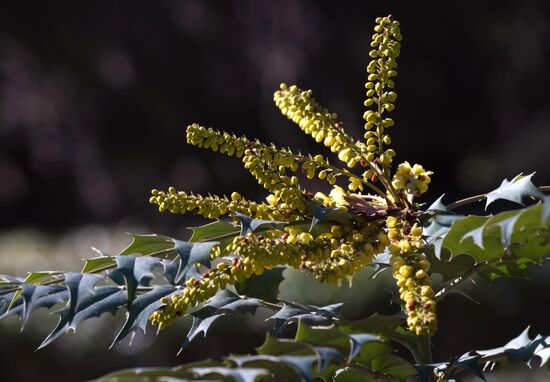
x=380 y=98
x=410 y=272
x=179 y=202
x=299 y=106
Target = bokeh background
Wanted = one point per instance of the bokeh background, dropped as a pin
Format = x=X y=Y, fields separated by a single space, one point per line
x=95 y=97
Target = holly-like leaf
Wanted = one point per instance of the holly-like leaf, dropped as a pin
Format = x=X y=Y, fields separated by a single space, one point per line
x=321 y=214
x=133 y=272
x=95 y=264
x=348 y=374
x=436 y=228
x=309 y=314
x=181 y=373
x=242 y=374
x=147 y=245
x=522 y=348
x=249 y=225
x=33 y=297
x=141 y=308
x=191 y=255
x=85 y=301
x=224 y=302
x=213 y=231
x=264 y=286
x=515 y=190
x=488 y=237
x=37 y=277
x=302 y=364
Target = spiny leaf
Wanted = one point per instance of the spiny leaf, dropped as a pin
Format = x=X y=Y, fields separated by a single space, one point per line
x=198 y=326
x=243 y=374
x=436 y=228
x=522 y=348
x=309 y=314
x=487 y=237
x=96 y=263
x=133 y=272
x=545 y=210
x=348 y=374
x=321 y=214
x=147 y=245
x=438 y=206
x=357 y=342
x=192 y=254
x=85 y=301
x=249 y=225
x=141 y=308
x=37 y=277
x=264 y=286
x=158 y=374
x=213 y=231
x=33 y=297
x=277 y=346
x=381 y=325
x=515 y=190
x=303 y=364
x=224 y=302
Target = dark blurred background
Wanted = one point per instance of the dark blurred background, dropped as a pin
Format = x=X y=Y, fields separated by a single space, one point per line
x=95 y=97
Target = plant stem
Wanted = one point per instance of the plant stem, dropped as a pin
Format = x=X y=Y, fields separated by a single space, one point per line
x=424 y=347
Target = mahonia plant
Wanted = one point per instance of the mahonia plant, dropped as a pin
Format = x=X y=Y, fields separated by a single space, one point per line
x=370 y=218
x=343 y=250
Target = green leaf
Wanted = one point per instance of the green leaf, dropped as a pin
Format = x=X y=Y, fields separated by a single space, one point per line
x=323 y=336
x=458 y=241
x=515 y=190
x=157 y=374
x=249 y=225
x=321 y=214
x=487 y=237
x=32 y=297
x=96 y=263
x=191 y=255
x=243 y=374
x=141 y=308
x=213 y=231
x=309 y=314
x=224 y=302
x=133 y=272
x=378 y=324
x=277 y=346
x=302 y=364
x=348 y=374
x=85 y=301
x=146 y=245
x=264 y=286
x=37 y=277
x=522 y=348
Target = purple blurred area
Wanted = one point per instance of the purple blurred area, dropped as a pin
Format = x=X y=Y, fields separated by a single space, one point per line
x=95 y=98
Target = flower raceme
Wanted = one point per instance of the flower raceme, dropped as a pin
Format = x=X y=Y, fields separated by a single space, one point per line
x=329 y=249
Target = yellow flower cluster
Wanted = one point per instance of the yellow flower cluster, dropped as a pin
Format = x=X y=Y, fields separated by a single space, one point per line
x=411 y=272
x=212 y=207
x=195 y=292
x=299 y=106
x=331 y=252
x=331 y=257
x=380 y=96
x=412 y=180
